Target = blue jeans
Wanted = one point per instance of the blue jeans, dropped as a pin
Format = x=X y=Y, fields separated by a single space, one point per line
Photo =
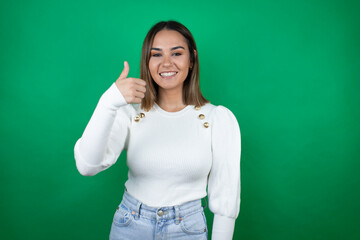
x=134 y=220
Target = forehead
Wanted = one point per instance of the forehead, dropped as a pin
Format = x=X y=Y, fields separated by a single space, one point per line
x=168 y=39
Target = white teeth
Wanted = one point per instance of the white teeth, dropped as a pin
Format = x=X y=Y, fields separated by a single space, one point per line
x=167 y=74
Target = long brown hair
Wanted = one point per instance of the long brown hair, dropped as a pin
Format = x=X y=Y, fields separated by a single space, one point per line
x=191 y=88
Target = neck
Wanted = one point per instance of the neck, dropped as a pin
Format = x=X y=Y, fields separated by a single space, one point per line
x=170 y=100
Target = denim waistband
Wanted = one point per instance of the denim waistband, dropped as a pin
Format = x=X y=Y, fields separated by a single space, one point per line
x=155 y=213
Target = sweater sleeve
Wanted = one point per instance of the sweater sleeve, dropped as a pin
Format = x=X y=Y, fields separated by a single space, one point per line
x=224 y=177
x=105 y=136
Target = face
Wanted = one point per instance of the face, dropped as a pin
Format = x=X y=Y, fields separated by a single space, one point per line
x=169 y=60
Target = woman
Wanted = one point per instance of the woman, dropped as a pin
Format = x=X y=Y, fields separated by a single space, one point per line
x=177 y=145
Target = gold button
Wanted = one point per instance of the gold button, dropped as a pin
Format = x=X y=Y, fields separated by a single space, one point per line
x=197 y=107
x=206 y=124
x=142 y=115
x=137 y=118
x=201 y=116
x=133 y=212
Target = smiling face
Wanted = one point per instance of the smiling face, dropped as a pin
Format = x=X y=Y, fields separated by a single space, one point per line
x=169 y=60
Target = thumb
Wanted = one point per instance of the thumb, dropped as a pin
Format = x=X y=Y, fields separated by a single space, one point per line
x=125 y=71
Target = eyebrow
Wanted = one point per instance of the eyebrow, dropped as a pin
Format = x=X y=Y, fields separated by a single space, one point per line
x=172 y=49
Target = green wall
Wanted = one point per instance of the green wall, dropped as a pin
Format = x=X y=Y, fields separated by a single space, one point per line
x=289 y=71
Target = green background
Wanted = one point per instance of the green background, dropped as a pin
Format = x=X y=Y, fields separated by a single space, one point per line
x=288 y=70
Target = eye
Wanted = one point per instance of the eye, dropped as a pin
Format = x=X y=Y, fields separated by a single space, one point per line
x=177 y=54
x=156 y=55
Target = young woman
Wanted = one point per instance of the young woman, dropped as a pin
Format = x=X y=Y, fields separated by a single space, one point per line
x=180 y=147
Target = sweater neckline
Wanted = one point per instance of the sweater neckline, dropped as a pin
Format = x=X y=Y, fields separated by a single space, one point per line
x=171 y=114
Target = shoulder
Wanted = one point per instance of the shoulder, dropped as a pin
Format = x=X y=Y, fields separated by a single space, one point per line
x=206 y=109
x=221 y=111
x=126 y=113
x=221 y=115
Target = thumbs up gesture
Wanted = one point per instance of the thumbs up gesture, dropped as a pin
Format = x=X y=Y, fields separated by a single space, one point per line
x=133 y=89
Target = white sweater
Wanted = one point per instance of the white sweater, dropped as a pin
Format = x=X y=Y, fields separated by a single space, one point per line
x=172 y=157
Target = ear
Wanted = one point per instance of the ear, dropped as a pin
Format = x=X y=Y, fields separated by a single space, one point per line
x=192 y=64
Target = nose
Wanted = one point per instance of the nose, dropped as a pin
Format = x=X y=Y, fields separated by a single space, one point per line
x=167 y=61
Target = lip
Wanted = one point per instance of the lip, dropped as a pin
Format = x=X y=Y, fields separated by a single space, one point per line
x=167 y=72
x=167 y=77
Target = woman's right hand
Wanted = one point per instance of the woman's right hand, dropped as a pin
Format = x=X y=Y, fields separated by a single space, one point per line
x=133 y=89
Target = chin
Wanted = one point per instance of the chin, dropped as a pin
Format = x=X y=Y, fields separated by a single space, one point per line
x=167 y=85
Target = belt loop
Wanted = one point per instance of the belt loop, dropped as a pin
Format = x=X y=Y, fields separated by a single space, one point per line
x=205 y=203
x=177 y=218
x=137 y=210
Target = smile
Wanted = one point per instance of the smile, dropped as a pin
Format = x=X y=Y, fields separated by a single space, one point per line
x=167 y=74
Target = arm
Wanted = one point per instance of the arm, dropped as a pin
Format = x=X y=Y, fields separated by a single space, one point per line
x=223 y=227
x=224 y=177
x=105 y=135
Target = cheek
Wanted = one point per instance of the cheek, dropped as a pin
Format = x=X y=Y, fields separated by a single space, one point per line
x=184 y=62
x=152 y=66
